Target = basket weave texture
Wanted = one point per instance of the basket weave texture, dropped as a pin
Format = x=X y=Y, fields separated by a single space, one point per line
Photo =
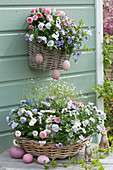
x=52 y=59
x=50 y=149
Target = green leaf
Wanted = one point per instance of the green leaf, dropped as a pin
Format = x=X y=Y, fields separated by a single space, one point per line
x=102 y=149
x=54 y=164
x=46 y=166
x=101 y=168
x=64 y=165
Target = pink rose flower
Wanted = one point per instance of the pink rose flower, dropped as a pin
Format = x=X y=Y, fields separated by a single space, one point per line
x=31 y=27
x=39 y=14
x=42 y=134
x=35 y=17
x=49 y=18
x=43 y=10
x=32 y=11
x=29 y=20
x=47 y=12
x=57 y=119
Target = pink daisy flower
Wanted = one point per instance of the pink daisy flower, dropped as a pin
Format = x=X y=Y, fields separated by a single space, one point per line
x=57 y=120
x=43 y=10
x=35 y=17
x=39 y=14
x=49 y=18
x=37 y=9
x=42 y=134
x=32 y=11
x=58 y=13
x=31 y=27
x=52 y=9
x=47 y=12
x=29 y=20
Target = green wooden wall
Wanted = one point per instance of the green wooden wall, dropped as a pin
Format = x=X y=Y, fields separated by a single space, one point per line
x=14 y=68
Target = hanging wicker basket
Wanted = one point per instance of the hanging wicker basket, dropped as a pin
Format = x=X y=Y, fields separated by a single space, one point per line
x=52 y=59
x=50 y=149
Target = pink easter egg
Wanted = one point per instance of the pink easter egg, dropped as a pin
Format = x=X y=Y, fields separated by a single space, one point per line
x=66 y=65
x=56 y=74
x=39 y=58
x=41 y=159
x=16 y=152
x=28 y=158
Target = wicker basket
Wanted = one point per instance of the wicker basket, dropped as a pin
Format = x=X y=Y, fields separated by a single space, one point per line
x=51 y=59
x=50 y=149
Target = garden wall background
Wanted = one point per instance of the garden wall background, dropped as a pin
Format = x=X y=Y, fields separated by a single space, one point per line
x=14 y=68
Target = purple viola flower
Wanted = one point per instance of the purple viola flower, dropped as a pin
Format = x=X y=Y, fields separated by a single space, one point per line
x=23 y=119
x=73 y=30
x=50 y=43
x=74 y=54
x=86 y=37
x=40 y=26
x=52 y=134
x=93 y=120
x=11 y=111
x=48 y=25
x=35 y=111
x=71 y=134
x=20 y=112
x=77 y=39
x=14 y=125
x=62 y=42
x=58 y=44
x=99 y=128
x=27 y=37
x=75 y=46
x=55 y=127
x=72 y=121
x=59 y=145
x=9 y=124
x=78 y=54
x=85 y=122
x=69 y=41
x=76 y=61
x=80 y=32
x=39 y=39
x=75 y=128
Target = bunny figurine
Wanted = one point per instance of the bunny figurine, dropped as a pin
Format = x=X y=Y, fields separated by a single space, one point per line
x=88 y=150
x=104 y=139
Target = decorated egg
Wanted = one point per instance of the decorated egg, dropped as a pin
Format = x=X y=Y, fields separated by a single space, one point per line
x=41 y=159
x=39 y=58
x=66 y=65
x=28 y=158
x=16 y=152
x=56 y=74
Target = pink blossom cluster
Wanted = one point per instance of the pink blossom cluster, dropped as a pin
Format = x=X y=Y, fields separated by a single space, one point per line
x=108 y=17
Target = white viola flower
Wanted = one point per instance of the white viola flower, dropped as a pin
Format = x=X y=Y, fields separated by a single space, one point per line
x=99 y=128
x=28 y=112
x=93 y=120
x=17 y=133
x=15 y=143
x=50 y=43
x=63 y=32
x=81 y=137
x=33 y=120
x=35 y=133
x=84 y=131
x=58 y=25
x=77 y=123
x=48 y=25
x=58 y=21
x=55 y=36
x=42 y=143
x=85 y=122
x=40 y=26
x=31 y=37
x=91 y=103
x=44 y=39
x=89 y=32
x=31 y=123
x=42 y=111
x=22 y=101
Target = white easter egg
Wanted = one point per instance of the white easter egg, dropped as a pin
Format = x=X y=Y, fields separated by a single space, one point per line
x=66 y=65
x=41 y=159
x=39 y=58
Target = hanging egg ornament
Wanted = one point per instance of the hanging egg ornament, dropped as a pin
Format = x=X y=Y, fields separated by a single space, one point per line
x=56 y=74
x=39 y=58
x=66 y=65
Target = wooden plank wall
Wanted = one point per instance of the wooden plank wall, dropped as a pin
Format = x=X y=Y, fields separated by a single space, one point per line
x=14 y=68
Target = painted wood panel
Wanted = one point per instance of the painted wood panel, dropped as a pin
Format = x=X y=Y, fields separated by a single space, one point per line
x=14 y=44
x=47 y=2
x=15 y=18
x=16 y=68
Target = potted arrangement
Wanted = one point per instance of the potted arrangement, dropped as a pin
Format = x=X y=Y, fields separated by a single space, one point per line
x=53 y=36
x=54 y=123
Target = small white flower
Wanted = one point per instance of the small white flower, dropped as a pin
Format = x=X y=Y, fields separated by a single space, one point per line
x=17 y=133
x=93 y=120
x=44 y=39
x=31 y=123
x=31 y=37
x=55 y=36
x=77 y=123
x=48 y=25
x=29 y=113
x=57 y=25
x=42 y=143
x=89 y=33
x=22 y=101
x=35 y=133
x=50 y=43
x=81 y=137
x=15 y=143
